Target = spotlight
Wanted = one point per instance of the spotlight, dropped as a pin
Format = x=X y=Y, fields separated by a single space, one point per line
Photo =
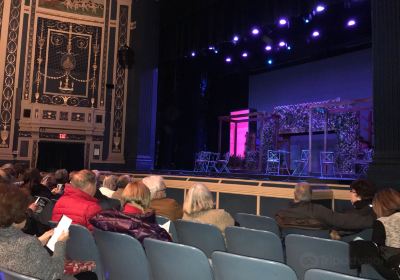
x=228 y=59
x=315 y=34
x=210 y=48
x=320 y=8
x=289 y=48
x=235 y=38
x=282 y=43
x=283 y=21
x=268 y=48
x=269 y=61
x=215 y=51
x=255 y=31
x=193 y=54
x=306 y=20
x=244 y=54
x=351 y=23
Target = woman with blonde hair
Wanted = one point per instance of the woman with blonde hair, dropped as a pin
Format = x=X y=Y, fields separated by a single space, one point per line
x=135 y=219
x=199 y=207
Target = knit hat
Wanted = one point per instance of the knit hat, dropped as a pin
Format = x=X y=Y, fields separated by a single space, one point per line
x=155 y=183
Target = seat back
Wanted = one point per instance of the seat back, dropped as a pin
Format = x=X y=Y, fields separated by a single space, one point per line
x=257 y=222
x=305 y=252
x=254 y=243
x=365 y=234
x=234 y=267
x=321 y=233
x=6 y=274
x=172 y=230
x=318 y=274
x=205 y=237
x=176 y=261
x=82 y=247
x=123 y=256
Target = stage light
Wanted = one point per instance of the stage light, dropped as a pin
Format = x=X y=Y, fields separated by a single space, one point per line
x=268 y=48
x=244 y=54
x=283 y=21
x=306 y=20
x=282 y=43
x=193 y=54
x=210 y=48
x=289 y=48
x=235 y=38
x=351 y=23
x=215 y=51
x=228 y=59
x=315 y=34
x=269 y=61
x=255 y=31
x=320 y=8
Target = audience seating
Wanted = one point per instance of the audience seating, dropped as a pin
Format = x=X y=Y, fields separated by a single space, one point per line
x=234 y=267
x=305 y=252
x=254 y=243
x=307 y=232
x=172 y=230
x=82 y=247
x=6 y=274
x=367 y=271
x=257 y=222
x=123 y=256
x=319 y=274
x=205 y=237
x=176 y=261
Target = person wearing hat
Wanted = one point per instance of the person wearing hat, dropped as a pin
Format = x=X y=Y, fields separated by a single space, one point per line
x=163 y=206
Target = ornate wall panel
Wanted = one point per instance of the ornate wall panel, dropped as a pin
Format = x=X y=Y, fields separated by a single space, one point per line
x=1 y=14
x=104 y=55
x=30 y=49
x=120 y=84
x=10 y=72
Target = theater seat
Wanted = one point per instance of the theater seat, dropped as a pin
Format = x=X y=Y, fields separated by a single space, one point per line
x=123 y=256
x=234 y=267
x=205 y=237
x=257 y=222
x=6 y=274
x=305 y=252
x=319 y=274
x=254 y=243
x=176 y=261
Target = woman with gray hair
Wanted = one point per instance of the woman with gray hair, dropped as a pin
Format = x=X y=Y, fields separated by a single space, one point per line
x=199 y=207
x=163 y=206
x=109 y=185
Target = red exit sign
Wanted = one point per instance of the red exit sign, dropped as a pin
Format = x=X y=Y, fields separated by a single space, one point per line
x=62 y=136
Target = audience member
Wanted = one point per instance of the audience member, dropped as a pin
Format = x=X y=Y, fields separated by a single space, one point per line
x=109 y=185
x=32 y=183
x=163 y=206
x=24 y=253
x=122 y=181
x=135 y=219
x=78 y=202
x=199 y=207
x=383 y=252
x=301 y=212
x=61 y=176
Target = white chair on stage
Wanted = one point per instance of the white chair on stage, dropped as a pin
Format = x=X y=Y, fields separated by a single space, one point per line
x=326 y=160
x=301 y=164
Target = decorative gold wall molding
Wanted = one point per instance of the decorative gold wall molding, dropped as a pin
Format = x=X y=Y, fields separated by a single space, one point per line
x=1 y=14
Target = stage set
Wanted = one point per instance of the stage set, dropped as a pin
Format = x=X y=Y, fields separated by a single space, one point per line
x=320 y=140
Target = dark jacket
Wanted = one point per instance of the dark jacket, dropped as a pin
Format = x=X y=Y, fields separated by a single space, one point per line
x=360 y=217
x=300 y=215
x=107 y=203
x=139 y=226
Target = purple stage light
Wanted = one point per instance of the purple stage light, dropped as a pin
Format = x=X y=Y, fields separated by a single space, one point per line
x=315 y=34
x=193 y=54
x=244 y=54
x=255 y=31
x=268 y=48
x=235 y=38
x=283 y=21
x=320 y=8
x=282 y=43
x=351 y=22
x=228 y=59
